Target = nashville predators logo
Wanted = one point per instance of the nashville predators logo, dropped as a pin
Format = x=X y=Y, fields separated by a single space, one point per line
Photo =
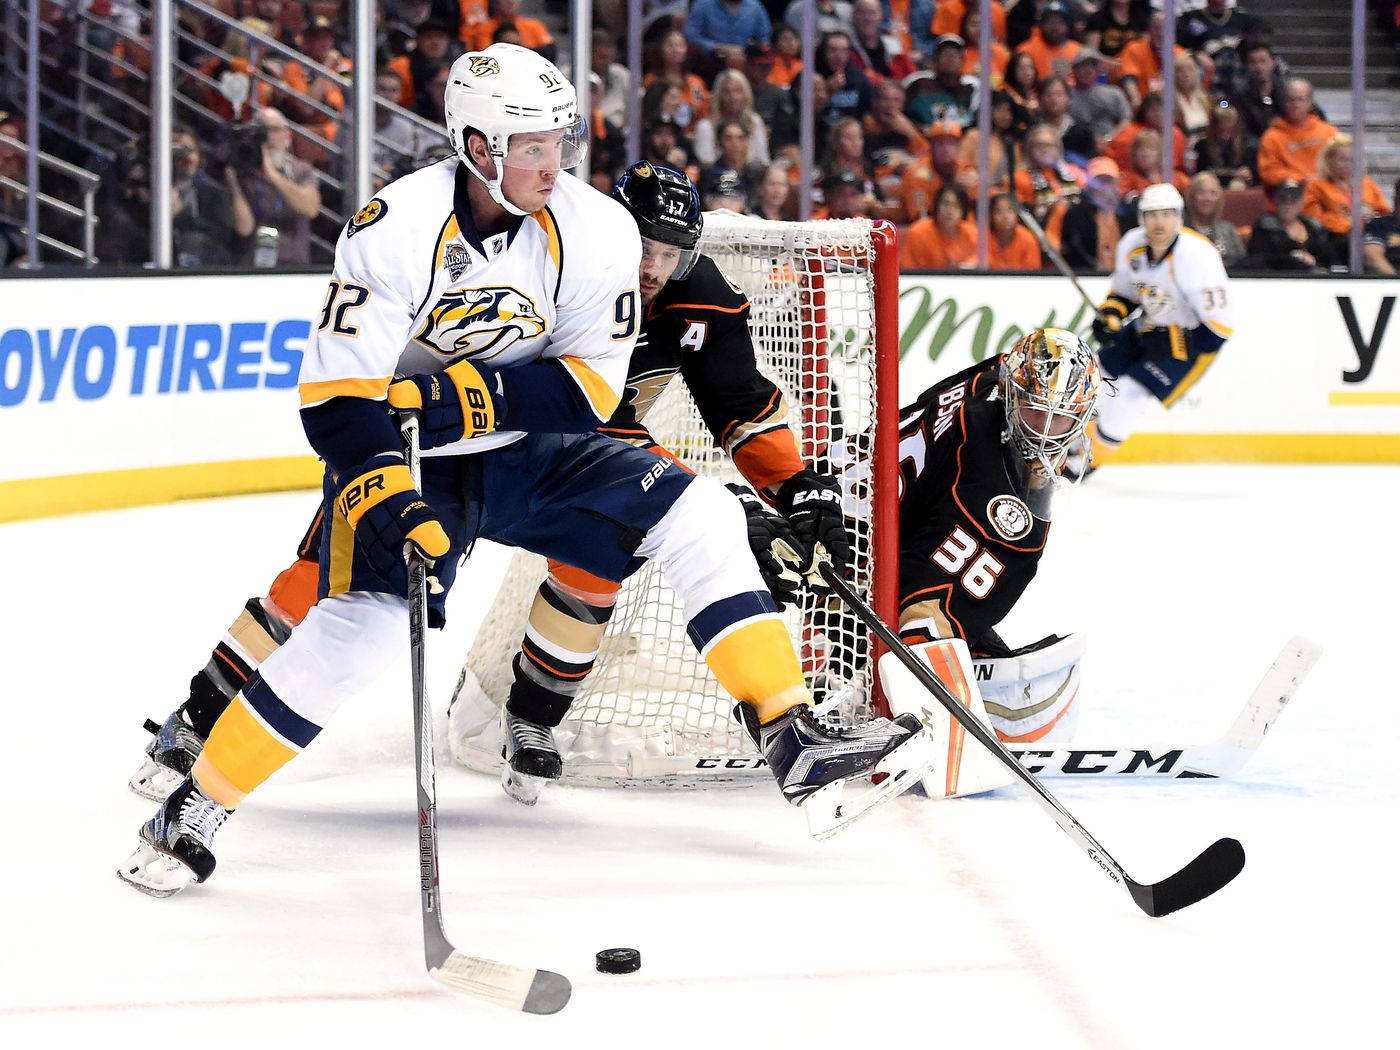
x=1154 y=299
x=480 y=323
x=371 y=213
x=483 y=66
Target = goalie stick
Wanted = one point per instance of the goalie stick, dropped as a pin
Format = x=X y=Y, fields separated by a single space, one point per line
x=1223 y=758
x=1214 y=868
x=516 y=987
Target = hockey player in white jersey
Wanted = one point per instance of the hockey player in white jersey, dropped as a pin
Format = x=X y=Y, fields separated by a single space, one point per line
x=1166 y=317
x=497 y=296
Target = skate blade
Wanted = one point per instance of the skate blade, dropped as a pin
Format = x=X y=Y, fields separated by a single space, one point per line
x=155 y=873
x=154 y=781
x=835 y=807
x=522 y=787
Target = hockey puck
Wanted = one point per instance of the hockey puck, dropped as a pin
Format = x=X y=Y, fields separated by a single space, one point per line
x=619 y=960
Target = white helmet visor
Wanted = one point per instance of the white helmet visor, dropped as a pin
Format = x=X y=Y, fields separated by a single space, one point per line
x=548 y=150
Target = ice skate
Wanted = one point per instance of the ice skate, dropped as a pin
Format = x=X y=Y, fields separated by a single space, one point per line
x=170 y=756
x=532 y=759
x=175 y=843
x=839 y=775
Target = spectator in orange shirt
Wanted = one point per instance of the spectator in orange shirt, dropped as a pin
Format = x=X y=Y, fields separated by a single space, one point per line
x=1003 y=149
x=1290 y=148
x=1050 y=46
x=533 y=33
x=951 y=17
x=1145 y=166
x=308 y=84
x=1327 y=198
x=787 y=56
x=972 y=59
x=673 y=63
x=924 y=178
x=1140 y=63
x=880 y=55
x=1047 y=184
x=1147 y=117
x=892 y=142
x=947 y=241
x=1011 y=246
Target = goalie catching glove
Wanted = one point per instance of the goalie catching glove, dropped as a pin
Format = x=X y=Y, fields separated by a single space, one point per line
x=811 y=503
x=462 y=401
x=775 y=547
x=388 y=513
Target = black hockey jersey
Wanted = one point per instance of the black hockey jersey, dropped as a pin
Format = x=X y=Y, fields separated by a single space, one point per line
x=969 y=543
x=699 y=327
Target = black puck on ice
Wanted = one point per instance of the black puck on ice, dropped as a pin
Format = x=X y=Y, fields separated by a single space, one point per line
x=619 y=960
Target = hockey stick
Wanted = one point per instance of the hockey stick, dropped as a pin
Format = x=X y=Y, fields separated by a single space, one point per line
x=1209 y=872
x=516 y=987
x=1055 y=257
x=1223 y=758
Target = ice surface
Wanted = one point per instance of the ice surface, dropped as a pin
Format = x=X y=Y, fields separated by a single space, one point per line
x=966 y=924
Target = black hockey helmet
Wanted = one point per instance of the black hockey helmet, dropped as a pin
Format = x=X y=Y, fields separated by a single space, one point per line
x=666 y=207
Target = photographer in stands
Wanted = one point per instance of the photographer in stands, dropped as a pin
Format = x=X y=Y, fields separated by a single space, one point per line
x=201 y=210
x=271 y=188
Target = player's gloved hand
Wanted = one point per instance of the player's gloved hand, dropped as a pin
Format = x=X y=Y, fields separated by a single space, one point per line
x=1106 y=328
x=462 y=401
x=811 y=502
x=775 y=547
x=388 y=513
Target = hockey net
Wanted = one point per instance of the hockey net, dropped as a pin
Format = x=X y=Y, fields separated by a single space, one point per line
x=823 y=317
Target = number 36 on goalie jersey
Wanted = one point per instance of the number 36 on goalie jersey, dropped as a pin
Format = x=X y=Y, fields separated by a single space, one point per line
x=969 y=544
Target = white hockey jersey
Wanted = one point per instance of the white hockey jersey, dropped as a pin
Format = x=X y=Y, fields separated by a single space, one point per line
x=415 y=288
x=1187 y=287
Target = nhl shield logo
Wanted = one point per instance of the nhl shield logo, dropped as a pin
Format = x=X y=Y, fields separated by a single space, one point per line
x=1010 y=517
x=456 y=260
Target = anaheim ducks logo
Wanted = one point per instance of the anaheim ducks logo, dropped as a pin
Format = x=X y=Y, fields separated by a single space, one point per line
x=1010 y=517
x=480 y=322
x=483 y=66
x=371 y=213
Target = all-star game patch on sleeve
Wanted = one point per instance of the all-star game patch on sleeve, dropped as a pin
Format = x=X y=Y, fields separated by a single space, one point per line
x=969 y=544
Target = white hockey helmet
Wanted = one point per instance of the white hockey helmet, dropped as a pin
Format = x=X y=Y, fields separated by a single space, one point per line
x=1160 y=196
x=508 y=90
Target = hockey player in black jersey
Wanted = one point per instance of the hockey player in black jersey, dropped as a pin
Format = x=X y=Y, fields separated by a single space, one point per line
x=981 y=454
x=695 y=323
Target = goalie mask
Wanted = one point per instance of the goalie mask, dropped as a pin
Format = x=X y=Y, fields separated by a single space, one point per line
x=1049 y=385
x=524 y=108
x=667 y=210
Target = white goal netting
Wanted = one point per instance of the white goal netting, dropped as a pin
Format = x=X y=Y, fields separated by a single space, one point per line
x=651 y=712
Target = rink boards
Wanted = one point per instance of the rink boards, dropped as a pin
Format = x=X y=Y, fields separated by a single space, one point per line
x=134 y=390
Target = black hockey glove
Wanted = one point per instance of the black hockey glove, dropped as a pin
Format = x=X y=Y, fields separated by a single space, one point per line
x=1106 y=329
x=811 y=502
x=775 y=547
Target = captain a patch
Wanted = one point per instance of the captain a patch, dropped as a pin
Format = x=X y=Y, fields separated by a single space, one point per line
x=367 y=216
x=1010 y=517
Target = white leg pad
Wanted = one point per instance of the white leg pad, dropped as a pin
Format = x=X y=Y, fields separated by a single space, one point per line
x=963 y=767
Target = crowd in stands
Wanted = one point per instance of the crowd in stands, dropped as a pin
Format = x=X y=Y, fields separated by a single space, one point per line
x=1077 y=121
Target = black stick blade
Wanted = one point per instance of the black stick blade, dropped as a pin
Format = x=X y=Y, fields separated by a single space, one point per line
x=1212 y=870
